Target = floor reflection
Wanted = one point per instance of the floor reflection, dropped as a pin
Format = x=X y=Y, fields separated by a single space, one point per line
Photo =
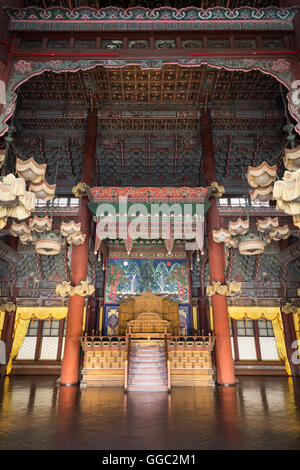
x=259 y=413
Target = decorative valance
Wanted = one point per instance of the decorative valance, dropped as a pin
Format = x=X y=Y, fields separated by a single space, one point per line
x=254 y=313
x=42 y=313
x=149 y=213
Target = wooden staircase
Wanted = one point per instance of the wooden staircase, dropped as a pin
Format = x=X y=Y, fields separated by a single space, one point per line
x=147 y=367
x=191 y=362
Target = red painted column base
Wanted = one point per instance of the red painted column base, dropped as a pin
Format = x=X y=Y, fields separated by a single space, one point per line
x=70 y=367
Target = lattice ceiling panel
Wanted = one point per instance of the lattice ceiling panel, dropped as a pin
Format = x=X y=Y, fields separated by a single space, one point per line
x=171 y=84
x=141 y=114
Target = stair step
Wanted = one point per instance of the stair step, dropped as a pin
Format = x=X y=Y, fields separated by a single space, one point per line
x=147 y=368
x=148 y=358
x=140 y=388
x=142 y=368
x=148 y=380
x=148 y=353
x=148 y=376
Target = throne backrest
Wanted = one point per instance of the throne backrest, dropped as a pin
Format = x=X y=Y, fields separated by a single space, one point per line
x=149 y=322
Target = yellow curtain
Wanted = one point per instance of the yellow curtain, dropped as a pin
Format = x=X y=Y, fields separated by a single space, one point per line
x=2 y=316
x=280 y=342
x=20 y=330
x=296 y=318
x=42 y=313
x=272 y=314
x=101 y=320
x=23 y=317
x=195 y=318
x=211 y=319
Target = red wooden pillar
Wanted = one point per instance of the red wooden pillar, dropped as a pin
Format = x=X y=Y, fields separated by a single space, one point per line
x=79 y=262
x=7 y=336
x=289 y=338
x=203 y=317
x=216 y=258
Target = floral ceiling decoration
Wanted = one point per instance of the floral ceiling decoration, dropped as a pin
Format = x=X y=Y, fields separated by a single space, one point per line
x=239 y=227
x=72 y=231
x=267 y=225
x=22 y=70
x=262 y=175
x=19 y=230
x=291 y=158
x=261 y=194
x=250 y=241
x=43 y=190
x=286 y=192
x=221 y=236
x=15 y=200
x=40 y=224
x=280 y=233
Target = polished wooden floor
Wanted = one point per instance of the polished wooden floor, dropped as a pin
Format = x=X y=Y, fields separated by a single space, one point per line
x=259 y=413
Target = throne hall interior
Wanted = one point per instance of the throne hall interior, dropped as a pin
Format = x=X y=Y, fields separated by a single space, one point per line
x=164 y=105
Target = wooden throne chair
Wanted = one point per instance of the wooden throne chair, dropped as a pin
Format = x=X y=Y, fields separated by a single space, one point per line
x=149 y=316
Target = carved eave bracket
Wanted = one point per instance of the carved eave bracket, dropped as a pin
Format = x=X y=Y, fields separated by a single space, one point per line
x=81 y=189
x=289 y=308
x=215 y=189
x=231 y=289
x=66 y=290
x=8 y=307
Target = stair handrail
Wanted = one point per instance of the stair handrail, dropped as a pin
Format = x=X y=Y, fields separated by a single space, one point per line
x=127 y=360
x=167 y=361
x=208 y=341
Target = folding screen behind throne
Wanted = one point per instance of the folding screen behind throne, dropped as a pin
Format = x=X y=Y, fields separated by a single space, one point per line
x=149 y=312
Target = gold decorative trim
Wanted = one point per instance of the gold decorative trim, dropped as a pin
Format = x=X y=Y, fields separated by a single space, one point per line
x=289 y=308
x=65 y=289
x=8 y=307
x=230 y=290
x=80 y=190
x=216 y=189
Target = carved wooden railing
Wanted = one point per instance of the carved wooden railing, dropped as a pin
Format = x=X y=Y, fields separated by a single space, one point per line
x=90 y=342
x=206 y=343
x=167 y=361
x=127 y=362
